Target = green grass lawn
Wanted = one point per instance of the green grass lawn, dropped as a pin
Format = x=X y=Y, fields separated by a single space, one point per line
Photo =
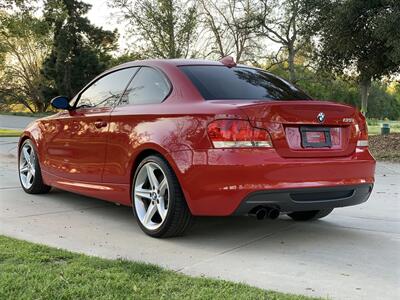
x=374 y=126
x=376 y=129
x=31 y=271
x=9 y=132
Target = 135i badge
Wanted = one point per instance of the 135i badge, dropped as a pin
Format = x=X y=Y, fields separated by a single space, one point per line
x=348 y=120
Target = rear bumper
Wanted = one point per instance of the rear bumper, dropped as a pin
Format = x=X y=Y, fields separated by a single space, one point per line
x=306 y=199
x=216 y=182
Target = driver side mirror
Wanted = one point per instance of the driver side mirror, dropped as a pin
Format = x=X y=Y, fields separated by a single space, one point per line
x=60 y=102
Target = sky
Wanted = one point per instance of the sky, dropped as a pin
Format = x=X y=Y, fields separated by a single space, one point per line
x=102 y=15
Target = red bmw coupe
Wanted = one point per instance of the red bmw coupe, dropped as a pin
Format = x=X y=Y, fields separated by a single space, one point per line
x=181 y=138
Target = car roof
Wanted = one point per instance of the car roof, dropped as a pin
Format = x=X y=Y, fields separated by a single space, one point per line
x=177 y=62
x=173 y=62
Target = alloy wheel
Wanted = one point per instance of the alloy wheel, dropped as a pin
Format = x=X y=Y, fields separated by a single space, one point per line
x=151 y=196
x=27 y=169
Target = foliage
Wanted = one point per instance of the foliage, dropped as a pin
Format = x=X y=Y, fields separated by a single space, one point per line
x=80 y=50
x=383 y=104
x=166 y=27
x=7 y=4
x=24 y=44
x=287 y=24
x=125 y=57
x=362 y=36
x=344 y=89
x=340 y=50
x=30 y=271
x=231 y=26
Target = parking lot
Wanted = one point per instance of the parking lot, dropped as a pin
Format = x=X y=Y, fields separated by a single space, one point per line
x=351 y=254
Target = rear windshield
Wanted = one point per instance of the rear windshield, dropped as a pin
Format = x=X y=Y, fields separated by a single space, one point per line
x=220 y=82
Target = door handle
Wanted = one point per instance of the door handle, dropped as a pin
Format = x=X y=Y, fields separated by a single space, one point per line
x=100 y=123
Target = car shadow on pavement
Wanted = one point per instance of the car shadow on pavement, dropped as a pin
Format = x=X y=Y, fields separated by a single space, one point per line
x=218 y=233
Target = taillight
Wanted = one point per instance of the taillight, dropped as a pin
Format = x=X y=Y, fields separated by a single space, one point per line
x=363 y=133
x=237 y=134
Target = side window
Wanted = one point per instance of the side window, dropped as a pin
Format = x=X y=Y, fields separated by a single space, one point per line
x=148 y=86
x=107 y=90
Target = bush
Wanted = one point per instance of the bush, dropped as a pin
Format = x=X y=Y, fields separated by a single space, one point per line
x=322 y=86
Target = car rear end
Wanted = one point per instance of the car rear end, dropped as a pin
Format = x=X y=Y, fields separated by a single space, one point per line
x=291 y=155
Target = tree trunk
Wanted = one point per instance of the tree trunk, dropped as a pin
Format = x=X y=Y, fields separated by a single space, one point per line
x=365 y=84
x=40 y=107
x=171 y=30
x=292 y=70
x=28 y=107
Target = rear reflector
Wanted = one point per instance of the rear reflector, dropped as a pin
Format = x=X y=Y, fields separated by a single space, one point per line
x=237 y=134
x=363 y=134
x=362 y=143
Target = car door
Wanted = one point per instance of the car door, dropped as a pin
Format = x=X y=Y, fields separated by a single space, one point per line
x=137 y=111
x=76 y=148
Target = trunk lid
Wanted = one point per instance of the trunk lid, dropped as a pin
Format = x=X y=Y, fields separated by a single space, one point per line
x=297 y=128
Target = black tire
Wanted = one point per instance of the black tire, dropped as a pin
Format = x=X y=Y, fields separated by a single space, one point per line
x=38 y=186
x=178 y=218
x=310 y=215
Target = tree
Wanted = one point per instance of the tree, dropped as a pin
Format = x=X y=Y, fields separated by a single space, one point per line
x=24 y=44
x=287 y=24
x=232 y=27
x=80 y=50
x=125 y=57
x=362 y=37
x=165 y=28
x=9 y=4
x=381 y=103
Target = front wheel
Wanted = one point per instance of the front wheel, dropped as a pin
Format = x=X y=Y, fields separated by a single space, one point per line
x=157 y=199
x=29 y=171
x=310 y=214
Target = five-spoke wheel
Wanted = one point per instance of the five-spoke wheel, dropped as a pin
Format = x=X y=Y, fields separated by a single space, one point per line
x=158 y=202
x=151 y=195
x=29 y=170
x=27 y=165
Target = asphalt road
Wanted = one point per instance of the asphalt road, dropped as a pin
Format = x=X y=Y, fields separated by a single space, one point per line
x=14 y=122
x=351 y=254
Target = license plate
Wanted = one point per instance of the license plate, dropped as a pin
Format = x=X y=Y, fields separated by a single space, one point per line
x=315 y=137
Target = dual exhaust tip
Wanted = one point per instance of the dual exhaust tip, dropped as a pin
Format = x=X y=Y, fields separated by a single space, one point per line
x=262 y=213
